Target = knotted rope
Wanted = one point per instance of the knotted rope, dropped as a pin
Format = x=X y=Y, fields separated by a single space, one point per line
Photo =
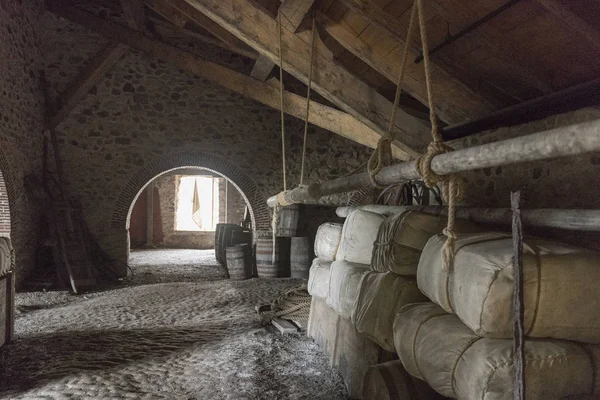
x=382 y=156
x=310 y=73
x=451 y=184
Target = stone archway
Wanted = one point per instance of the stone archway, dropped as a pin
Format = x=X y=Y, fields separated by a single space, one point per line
x=244 y=184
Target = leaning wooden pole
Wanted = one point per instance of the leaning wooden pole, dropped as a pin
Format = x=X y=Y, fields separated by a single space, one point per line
x=559 y=142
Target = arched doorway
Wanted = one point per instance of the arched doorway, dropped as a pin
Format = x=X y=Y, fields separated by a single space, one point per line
x=118 y=246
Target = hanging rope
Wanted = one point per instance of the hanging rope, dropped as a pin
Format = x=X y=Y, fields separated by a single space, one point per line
x=451 y=184
x=310 y=73
x=279 y=15
x=382 y=156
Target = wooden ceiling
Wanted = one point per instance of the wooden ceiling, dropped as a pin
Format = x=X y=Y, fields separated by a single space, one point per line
x=531 y=49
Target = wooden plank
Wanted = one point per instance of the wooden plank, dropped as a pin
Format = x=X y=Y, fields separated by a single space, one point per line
x=459 y=15
x=330 y=80
x=168 y=12
x=284 y=326
x=89 y=76
x=320 y=115
x=294 y=12
x=454 y=101
x=135 y=14
x=206 y=23
x=262 y=68
x=562 y=11
x=167 y=29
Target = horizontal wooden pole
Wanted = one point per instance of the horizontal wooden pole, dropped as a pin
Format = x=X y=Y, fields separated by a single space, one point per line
x=559 y=142
x=569 y=219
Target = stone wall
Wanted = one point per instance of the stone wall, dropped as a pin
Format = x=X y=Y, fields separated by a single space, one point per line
x=21 y=119
x=146 y=115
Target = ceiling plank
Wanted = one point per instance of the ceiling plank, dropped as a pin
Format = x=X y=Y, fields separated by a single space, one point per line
x=135 y=14
x=294 y=12
x=562 y=11
x=205 y=22
x=168 y=12
x=166 y=29
x=454 y=101
x=446 y=84
x=330 y=80
x=320 y=115
x=89 y=76
x=453 y=13
x=262 y=68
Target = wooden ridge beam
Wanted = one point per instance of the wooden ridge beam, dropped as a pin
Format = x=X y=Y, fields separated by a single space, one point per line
x=320 y=115
x=330 y=80
x=454 y=101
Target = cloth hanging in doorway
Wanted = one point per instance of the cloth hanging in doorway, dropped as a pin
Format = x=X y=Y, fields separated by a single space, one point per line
x=196 y=206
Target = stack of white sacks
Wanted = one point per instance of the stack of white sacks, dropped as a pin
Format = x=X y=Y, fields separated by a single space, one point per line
x=453 y=328
x=461 y=343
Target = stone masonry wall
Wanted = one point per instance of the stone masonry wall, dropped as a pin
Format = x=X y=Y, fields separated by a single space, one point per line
x=144 y=110
x=21 y=119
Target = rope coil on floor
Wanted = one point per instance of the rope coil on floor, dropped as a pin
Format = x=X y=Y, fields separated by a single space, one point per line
x=293 y=304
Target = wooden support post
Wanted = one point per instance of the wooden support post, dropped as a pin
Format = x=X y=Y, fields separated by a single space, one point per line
x=150 y=214
x=518 y=307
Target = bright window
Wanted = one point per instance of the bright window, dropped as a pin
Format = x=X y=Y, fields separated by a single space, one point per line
x=198 y=212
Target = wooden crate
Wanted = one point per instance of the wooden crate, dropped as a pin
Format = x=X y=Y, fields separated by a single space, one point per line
x=7 y=307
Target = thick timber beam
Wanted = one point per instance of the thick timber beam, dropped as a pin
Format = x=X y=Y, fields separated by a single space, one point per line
x=320 y=115
x=330 y=80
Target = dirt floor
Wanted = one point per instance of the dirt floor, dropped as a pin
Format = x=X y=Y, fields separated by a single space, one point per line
x=177 y=330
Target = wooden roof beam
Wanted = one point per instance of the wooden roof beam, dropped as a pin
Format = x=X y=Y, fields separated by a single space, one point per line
x=330 y=80
x=455 y=102
x=320 y=115
x=562 y=11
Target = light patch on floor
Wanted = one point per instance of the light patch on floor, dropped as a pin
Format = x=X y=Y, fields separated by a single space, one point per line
x=178 y=330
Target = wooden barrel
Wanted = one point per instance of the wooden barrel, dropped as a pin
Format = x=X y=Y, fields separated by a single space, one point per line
x=241 y=236
x=300 y=257
x=223 y=239
x=287 y=225
x=237 y=262
x=265 y=266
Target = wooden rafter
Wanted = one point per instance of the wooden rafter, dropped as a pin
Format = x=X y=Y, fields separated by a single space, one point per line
x=294 y=12
x=168 y=12
x=89 y=76
x=454 y=101
x=320 y=115
x=330 y=80
x=480 y=38
x=167 y=29
x=135 y=14
x=262 y=68
x=562 y=11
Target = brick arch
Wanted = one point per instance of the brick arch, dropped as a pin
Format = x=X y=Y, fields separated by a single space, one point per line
x=7 y=178
x=256 y=202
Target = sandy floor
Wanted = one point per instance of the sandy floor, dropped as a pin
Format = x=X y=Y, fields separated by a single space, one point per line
x=178 y=330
